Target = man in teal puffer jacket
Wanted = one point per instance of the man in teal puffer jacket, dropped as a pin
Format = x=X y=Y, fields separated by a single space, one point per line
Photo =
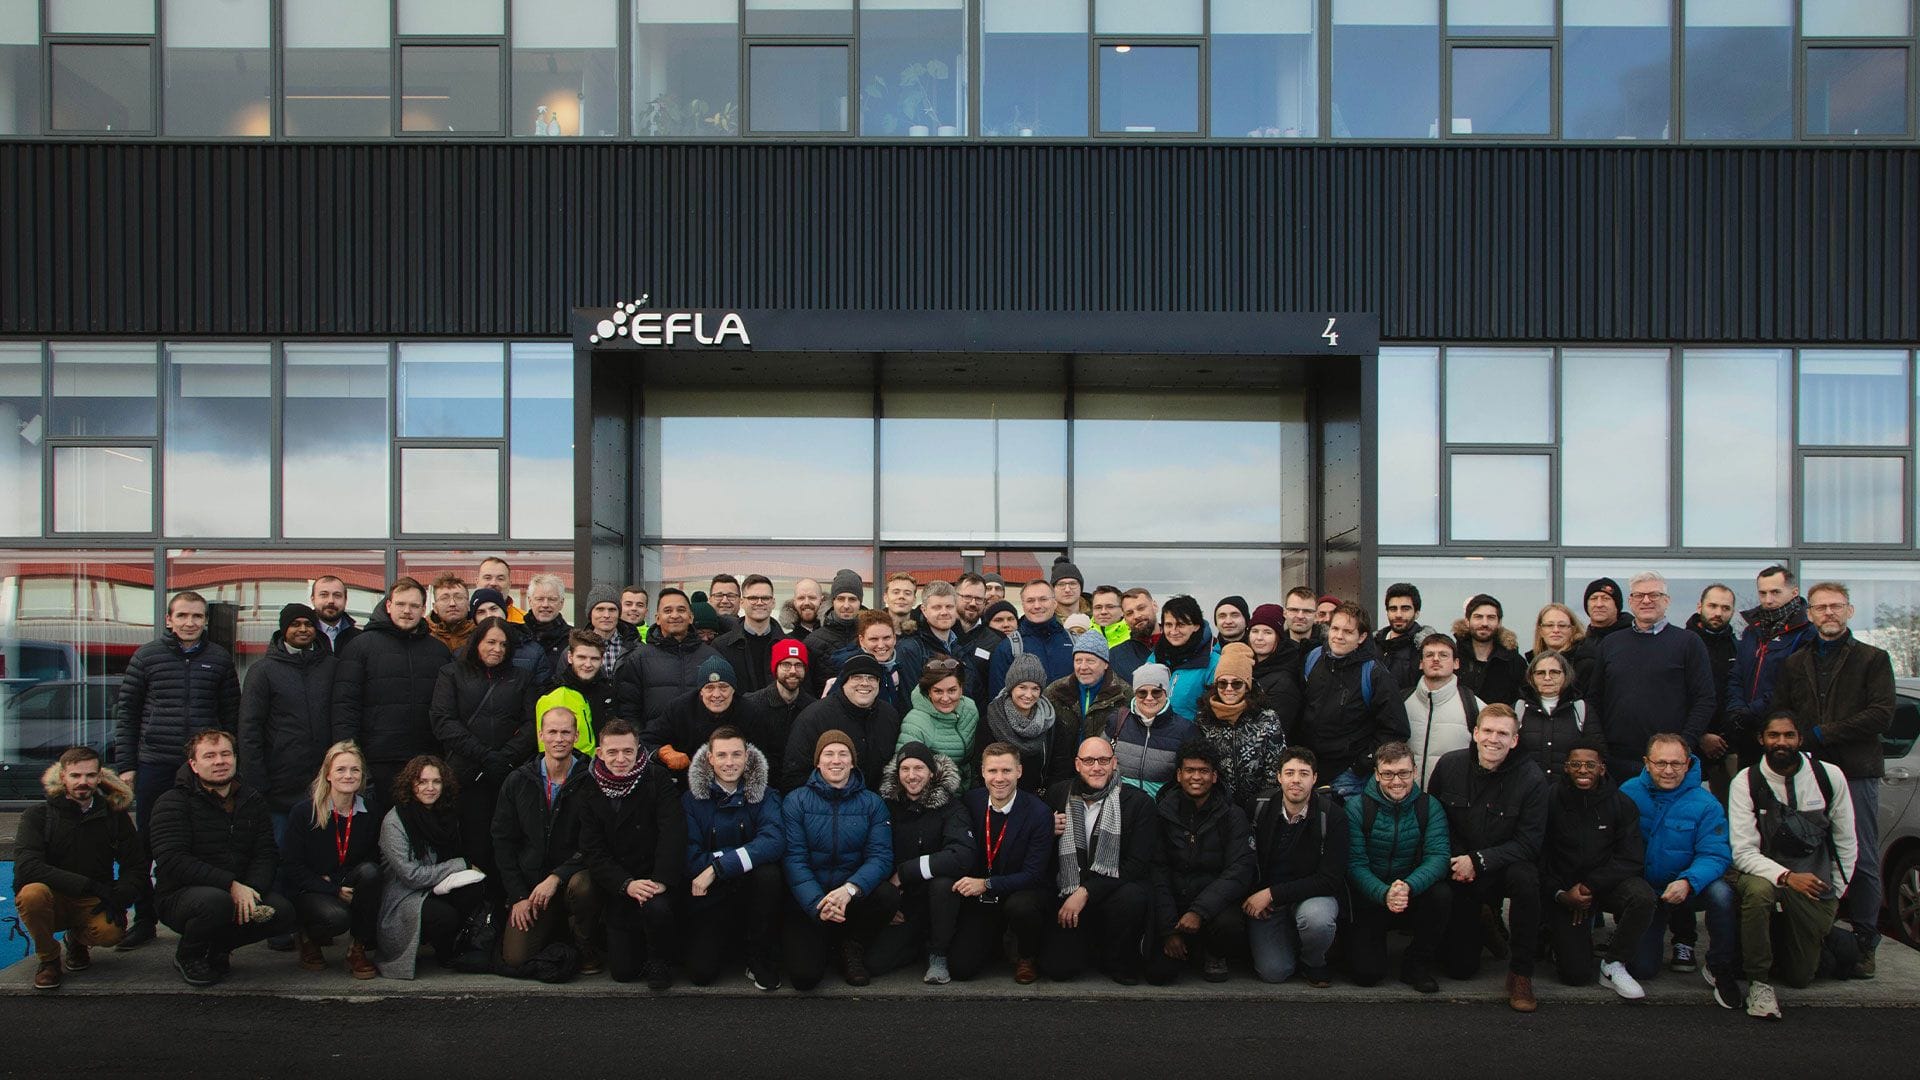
x=1688 y=853
x=1397 y=855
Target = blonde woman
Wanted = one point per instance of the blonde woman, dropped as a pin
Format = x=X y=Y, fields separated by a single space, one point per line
x=1557 y=629
x=331 y=861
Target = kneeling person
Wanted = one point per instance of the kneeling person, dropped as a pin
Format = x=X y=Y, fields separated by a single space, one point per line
x=1397 y=855
x=1106 y=835
x=330 y=859
x=839 y=856
x=1593 y=863
x=1203 y=869
x=1300 y=851
x=1007 y=888
x=735 y=841
x=536 y=841
x=65 y=850
x=932 y=847
x=633 y=837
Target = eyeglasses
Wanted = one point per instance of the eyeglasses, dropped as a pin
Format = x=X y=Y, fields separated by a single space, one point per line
x=1149 y=692
x=1108 y=760
x=758 y=599
x=1643 y=597
x=1582 y=766
x=1666 y=766
x=1823 y=609
x=1230 y=684
x=1394 y=774
x=1549 y=673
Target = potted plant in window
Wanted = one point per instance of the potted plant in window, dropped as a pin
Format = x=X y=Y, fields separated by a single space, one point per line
x=919 y=100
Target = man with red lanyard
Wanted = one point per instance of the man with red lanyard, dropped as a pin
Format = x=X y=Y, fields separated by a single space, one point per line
x=536 y=834
x=1007 y=886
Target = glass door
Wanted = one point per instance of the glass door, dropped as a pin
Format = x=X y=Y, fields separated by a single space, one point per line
x=1015 y=565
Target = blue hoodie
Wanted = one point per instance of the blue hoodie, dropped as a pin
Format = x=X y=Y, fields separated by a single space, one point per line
x=1685 y=830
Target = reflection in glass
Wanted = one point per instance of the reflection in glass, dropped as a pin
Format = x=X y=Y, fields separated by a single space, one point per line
x=1614 y=459
x=1500 y=18
x=566 y=68
x=1501 y=497
x=693 y=567
x=1142 y=16
x=1523 y=586
x=1502 y=91
x=103 y=88
x=218 y=465
x=1521 y=380
x=19 y=68
x=540 y=474
x=686 y=69
x=1853 y=18
x=424 y=566
x=797 y=87
x=1145 y=88
x=1853 y=398
x=218 y=67
x=258 y=583
x=825 y=18
x=103 y=390
x=1409 y=451
x=1735 y=398
x=450 y=88
x=1386 y=69
x=334 y=442
x=449 y=490
x=973 y=465
x=1857 y=91
x=1615 y=70
x=100 y=17
x=22 y=430
x=1853 y=500
x=913 y=67
x=1262 y=575
x=103 y=489
x=337 y=70
x=452 y=17
x=1886 y=605
x=1739 y=69
x=1265 y=62
x=1033 y=67
x=450 y=390
x=1686 y=580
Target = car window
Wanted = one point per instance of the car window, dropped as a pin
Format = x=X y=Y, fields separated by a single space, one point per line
x=1905 y=728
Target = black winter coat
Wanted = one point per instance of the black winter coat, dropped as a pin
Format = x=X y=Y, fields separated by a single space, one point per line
x=1304 y=861
x=532 y=839
x=484 y=718
x=1843 y=722
x=1401 y=652
x=751 y=656
x=74 y=852
x=196 y=840
x=1498 y=817
x=383 y=690
x=1722 y=648
x=1498 y=678
x=1204 y=861
x=1139 y=839
x=645 y=837
x=541 y=651
x=1338 y=723
x=1546 y=738
x=933 y=827
x=834 y=634
x=687 y=724
x=874 y=731
x=167 y=694
x=768 y=718
x=286 y=720
x=310 y=856
x=1593 y=838
x=656 y=676
x=1278 y=677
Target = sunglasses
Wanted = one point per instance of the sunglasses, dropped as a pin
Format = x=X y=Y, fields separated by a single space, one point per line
x=943 y=663
x=1230 y=684
x=1149 y=692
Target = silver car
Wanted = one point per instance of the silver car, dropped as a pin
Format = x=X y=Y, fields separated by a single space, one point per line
x=1900 y=814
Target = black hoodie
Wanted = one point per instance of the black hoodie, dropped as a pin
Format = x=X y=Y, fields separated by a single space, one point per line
x=1593 y=838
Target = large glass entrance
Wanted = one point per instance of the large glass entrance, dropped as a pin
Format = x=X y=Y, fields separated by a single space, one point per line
x=1014 y=565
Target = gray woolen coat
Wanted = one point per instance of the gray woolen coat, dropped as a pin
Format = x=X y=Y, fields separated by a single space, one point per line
x=408 y=882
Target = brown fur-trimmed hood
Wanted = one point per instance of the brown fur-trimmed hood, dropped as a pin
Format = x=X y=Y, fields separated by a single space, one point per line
x=118 y=795
x=1504 y=639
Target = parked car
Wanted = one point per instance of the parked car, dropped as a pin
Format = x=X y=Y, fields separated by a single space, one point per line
x=39 y=723
x=25 y=662
x=1900 y=814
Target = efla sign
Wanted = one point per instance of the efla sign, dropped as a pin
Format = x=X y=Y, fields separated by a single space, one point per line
x=670 y=329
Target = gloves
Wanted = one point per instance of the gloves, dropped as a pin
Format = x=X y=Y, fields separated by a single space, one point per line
x=673 y=759
x=459 y=879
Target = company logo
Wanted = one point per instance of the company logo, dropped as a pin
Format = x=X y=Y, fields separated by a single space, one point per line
x=667 y=327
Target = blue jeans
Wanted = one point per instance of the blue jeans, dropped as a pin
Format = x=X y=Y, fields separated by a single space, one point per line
x=1861 y=905
x=1723 y=932
x=1290 y=934
x=1349 y=783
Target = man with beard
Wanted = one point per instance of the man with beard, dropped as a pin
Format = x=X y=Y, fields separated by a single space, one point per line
x=749 y=646
x=1203 y=868
x=633 y=841
x=689 y=722
x=1300 y=852
x=802 y=613
x=768 y=714
x=1105 y=839
x=329 y=600
x=1592 y=864
x=383 y=685
x=65 y=852
x=1776 y=629
x=1399 y=643
x=1490 y=663
x=451 y=620
x=1142 y=617
x=996 y=587
x=1712 y=623
x=736 y=840
x=854 y=707
x=667 y=665
x=836 y=630
x=1302 y=615
x=1604 y=605
x=970 y=592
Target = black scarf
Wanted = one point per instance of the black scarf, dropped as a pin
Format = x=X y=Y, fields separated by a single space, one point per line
x=1178 y=657
x=1770 y=623
x=432 y=831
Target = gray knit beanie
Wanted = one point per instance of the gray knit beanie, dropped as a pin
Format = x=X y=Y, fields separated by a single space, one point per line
x=1026 y=668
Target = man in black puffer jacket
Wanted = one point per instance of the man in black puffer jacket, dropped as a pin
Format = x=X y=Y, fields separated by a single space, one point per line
x=1203 y=868
x=383 y=686
x=667 y=665
x=286 y=713
x=933 y=847
x=1353 y=703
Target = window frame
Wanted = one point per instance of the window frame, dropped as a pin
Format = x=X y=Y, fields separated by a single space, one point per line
x=156 y=52
x=1203 y=76
x=1803 y=86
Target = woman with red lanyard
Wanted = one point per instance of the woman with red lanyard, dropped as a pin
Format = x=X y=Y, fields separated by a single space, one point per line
x=331 y=862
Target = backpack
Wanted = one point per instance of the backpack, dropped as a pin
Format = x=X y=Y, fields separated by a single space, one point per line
x=1366 y=677
x=1015 y=646
x=1370 y=812
x=1790 y=829
x=1320 y=797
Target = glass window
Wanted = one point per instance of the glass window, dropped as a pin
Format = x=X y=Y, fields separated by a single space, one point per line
x=1519 y=380
x=824 y=18
x=691 y=568
x=1501 y=497
x=1736 y=435
x=337 y=70
x=1739 y=69
x=103 y=489
x=22 y=430
x=686 y=69
x=452 y=17
x=218 y=68
x=1386 y=69
x=566 y=68
x=1886 y=605
x=1033 y=67
x=100 y=16
x=424 y=566
x=103 y=390
x=1853 y=18
x=1686 y=580
x=913 y=67
x=1853 y=500
x=1142 y=16
x=540 y=473
x=450 y=88
x=1145 y=88
x=1500 y=18
x=451 y=391
x=1614 y=452
x=1409 y=454
x=1236 y=498
x=19 y=67
x=446 y=490
x=103 y=88
x=1616 y=62
x=259 y=583
x=334 y=443
x=1853 y=398
x=1261 y=575
x=797 y=87
x=1523 y=586
x=1502 y=91
x=218 y=465
x=1266 y=71
x=1857 y=91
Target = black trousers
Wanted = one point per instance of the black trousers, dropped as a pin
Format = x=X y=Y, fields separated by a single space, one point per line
x=203 y=917
x=982 y=923
x=745 y=910
x=1632 y=903
x=1466 y=934
x=443 y=917
x=1223 y=935
x=932 y=915
x=325 y=915
x=1110 y=927
x=636 y=934
x=810 y=942
x=1426 y=917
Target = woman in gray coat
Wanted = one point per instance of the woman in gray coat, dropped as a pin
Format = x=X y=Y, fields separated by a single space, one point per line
x=431 y=891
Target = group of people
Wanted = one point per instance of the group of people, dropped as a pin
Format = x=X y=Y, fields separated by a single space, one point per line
x=1087 y=780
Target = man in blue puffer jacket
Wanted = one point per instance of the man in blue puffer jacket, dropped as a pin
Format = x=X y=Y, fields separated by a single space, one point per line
x=736 y=839
x=1688 y=853
x=839 y=856
x=1037 y=633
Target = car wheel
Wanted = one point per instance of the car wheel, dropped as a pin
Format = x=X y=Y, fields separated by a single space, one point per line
x=1903 y=897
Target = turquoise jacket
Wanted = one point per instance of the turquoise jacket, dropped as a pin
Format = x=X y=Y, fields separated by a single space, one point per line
x=1393 y=849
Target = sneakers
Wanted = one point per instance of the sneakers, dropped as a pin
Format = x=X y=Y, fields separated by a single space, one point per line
x=311 y=958
x=1861 y=970
x=283 y=943
x=853 y=961
x=1213 y=968
x=47 y=976
x=1684 y=959
x=1024 y=972
x=937 y=973
x=1520 y=993
x=79 y=957
x=1614 y=974
x=659 y=975
x=195 y=970
x=358 y=964
x=1761 y=1004
x=763 y=975
x=220 y=962
x=1727 y=992
x=1318 y=977
x=137 y=935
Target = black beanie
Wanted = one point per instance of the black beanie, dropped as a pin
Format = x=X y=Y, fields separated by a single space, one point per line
x=1238 y=603
x=861 y=664
x=1062 y=569
x=297 y=611
x=1481 y=600
x=1606 y=585
x=996 y=608
x=917 y=750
